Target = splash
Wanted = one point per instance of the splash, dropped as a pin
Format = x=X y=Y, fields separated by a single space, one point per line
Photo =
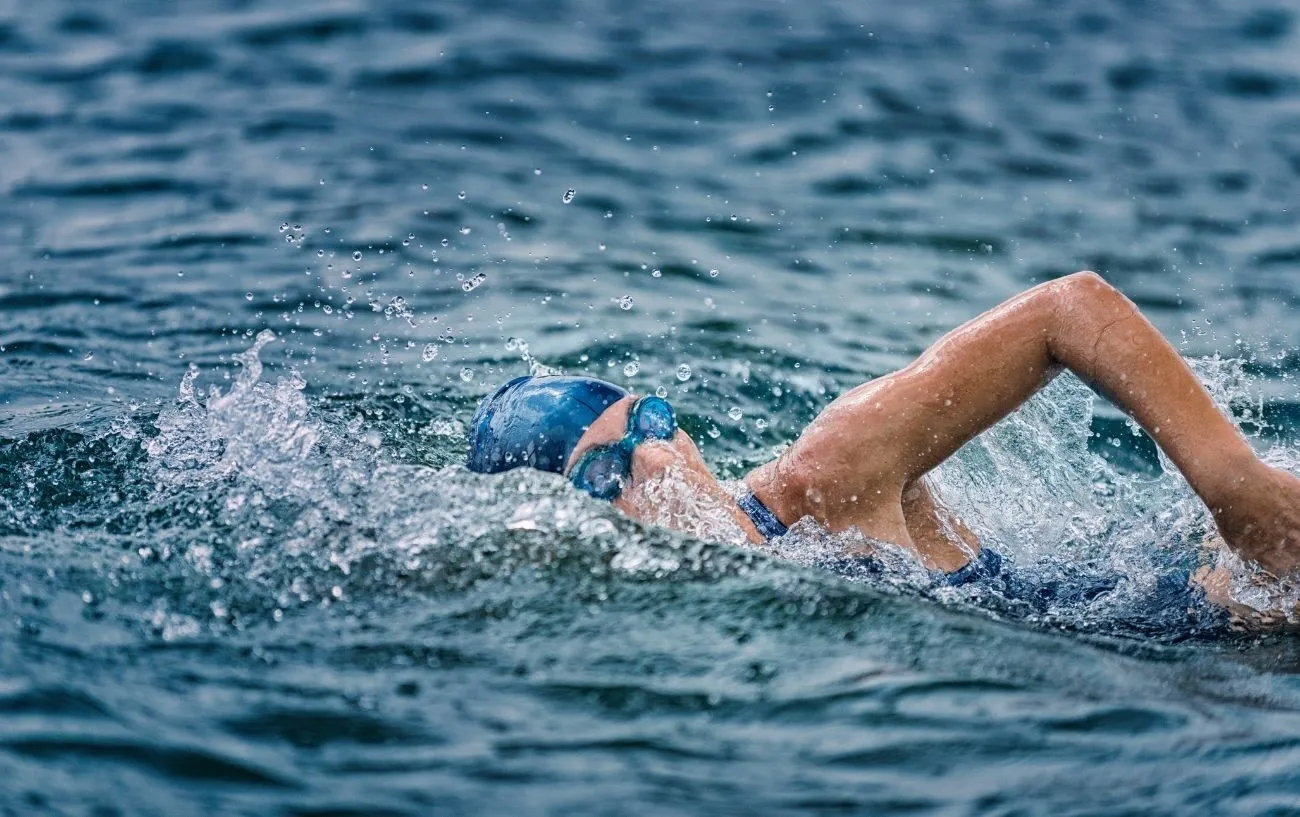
x=266 y=435
x=535 y=367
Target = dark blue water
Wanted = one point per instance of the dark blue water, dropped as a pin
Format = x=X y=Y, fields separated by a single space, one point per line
x=259 y=261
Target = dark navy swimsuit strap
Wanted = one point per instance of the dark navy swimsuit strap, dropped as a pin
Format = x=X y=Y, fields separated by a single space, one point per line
x=766 y=522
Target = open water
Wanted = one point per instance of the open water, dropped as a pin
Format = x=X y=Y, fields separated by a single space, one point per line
x=259 y=261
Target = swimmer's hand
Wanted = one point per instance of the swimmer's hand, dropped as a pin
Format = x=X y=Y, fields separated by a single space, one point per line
x=1258 y=515
x=1216 y=582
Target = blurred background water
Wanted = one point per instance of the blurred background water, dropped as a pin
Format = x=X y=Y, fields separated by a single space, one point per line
x=259 y=261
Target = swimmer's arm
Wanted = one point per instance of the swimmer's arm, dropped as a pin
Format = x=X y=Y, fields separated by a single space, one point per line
x=867 y=446
x=983 y=370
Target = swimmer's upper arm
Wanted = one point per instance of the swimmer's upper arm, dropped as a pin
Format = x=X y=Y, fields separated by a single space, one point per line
x=896 y=428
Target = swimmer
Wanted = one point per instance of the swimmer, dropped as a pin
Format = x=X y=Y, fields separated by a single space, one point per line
x=861 y=463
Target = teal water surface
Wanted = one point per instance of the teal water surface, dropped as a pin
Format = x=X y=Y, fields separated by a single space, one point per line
x=259 y=261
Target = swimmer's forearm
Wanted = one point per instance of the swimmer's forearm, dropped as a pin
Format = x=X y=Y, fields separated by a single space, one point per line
x=1101 y=336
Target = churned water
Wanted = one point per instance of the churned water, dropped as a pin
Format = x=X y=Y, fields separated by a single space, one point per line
x=259 y=261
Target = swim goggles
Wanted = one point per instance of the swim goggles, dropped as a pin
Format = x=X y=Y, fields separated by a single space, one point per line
x=604 y=469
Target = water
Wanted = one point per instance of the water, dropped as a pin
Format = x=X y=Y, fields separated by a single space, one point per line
x=259 y=261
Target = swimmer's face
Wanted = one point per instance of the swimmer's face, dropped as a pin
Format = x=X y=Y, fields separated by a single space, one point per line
x=651 y=459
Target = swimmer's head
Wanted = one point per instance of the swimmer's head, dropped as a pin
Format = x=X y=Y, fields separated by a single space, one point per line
x=536 y=421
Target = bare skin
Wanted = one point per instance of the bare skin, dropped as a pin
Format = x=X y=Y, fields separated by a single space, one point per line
x=651 y=459
x=861 y=463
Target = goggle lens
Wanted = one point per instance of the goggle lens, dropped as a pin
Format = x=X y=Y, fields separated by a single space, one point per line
x=602 y=473
x=654 y=419
x=603 y=470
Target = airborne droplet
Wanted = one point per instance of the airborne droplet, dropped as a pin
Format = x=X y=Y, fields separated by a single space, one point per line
x=683 y=372
x=568 y=195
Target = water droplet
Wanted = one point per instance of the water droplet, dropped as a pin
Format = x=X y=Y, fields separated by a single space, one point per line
x=760 y=424
x=625 y=303
x=461 y=195
x=683 y=372
x=89 y=356
x=568 y=195
x=474 y=283
x=464 y=231
x=356 y=255
x=630 y=369
x=656 y=273
x=284 y=227
x=467 y=374
x=661 y=392
x=713 y=432
x=713 y=273
x=735 y=413
x=429 y=352
x=537 y=171
x=248 y=296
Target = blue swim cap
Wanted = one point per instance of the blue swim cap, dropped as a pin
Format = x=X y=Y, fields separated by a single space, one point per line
x=536 y=421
